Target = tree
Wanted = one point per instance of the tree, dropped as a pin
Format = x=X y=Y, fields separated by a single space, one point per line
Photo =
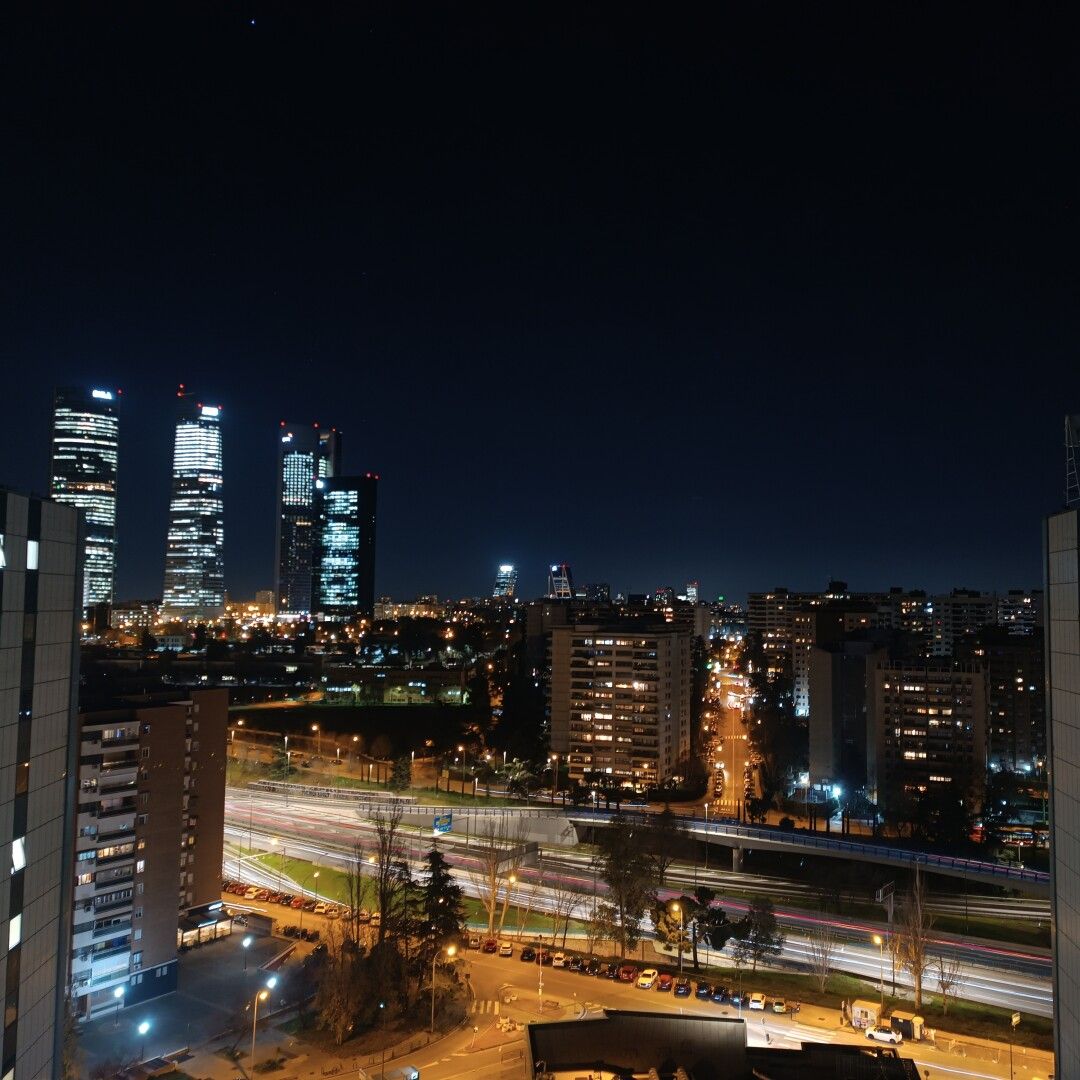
x=441 y=911
x=710 y=923
x=392 y=877
x=523 y=727
x=498 y=850
x=341 y=989
x=759 y=935
x=911 y=940
x=628 y=870
x=665 y=839
x=949 y=979
x=357 y=887
x=280 y=764
x=401 y=773
x=820 y=947
x=564 y=903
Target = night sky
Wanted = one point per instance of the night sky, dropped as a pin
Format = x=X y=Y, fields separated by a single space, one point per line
x=763 y=300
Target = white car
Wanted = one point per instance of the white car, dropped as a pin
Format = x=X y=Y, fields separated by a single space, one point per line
x=647 y=979
x=559 y=960
x=757 y=1001
x=883 y=1034
x=322 y=907
x=506 y=949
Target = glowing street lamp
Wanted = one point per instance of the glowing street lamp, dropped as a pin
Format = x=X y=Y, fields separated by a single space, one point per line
x=879 y=941
x=118 y=994
x=450 y=951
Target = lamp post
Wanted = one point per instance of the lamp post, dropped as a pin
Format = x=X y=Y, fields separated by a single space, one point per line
x=144 y=1027
x=314 y=889
x=450 y=951
x=554 y=776
x=318 y=738
x=247 y=945
x=464 y=766
x=706 y=836
x=879 y=941
x=262 y=995
x=118 y=994
x=677 y=908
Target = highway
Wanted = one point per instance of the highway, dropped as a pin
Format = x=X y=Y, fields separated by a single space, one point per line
x=1013 y=978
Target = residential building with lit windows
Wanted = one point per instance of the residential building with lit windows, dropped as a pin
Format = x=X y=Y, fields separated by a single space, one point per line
x=307 y=455
x=926 y=727
x=1020 y=611
x=505 y=581
x=41 y=596
x=194 y=551
x=620 y=700
x=346 y=555
x=85 y=455
x=148 y=846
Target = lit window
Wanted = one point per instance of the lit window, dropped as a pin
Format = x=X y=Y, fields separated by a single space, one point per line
x=14 y=931
x=18 y=854
x=31 y=554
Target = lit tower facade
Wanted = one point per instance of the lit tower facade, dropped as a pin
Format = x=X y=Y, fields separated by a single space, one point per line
x=306 y=455
x=505 y=581
x=85 y=447
x=194 y=565
x=346 y=554
x=560 y=582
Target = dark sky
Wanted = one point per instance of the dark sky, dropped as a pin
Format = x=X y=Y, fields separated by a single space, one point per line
x=765 y=299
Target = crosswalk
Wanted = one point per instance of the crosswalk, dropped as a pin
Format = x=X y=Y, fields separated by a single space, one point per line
x=487 y=1005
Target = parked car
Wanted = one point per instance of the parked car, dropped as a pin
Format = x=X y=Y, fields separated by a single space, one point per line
x=333 y=912
x=559 y=960
x=704 y=991
x=506 y=949
x=297 y=903
x=544 y=956
x=883 y=1034
x=322 y=907
x=250 y=892
x=490 y=946
x=719 y=993
x=627 y=973
x=664 y=982
x=738 y=997
x=286 y=899
x=263 y=894
x=376 y=918
x=576 y=963
x=474 y=939
x=779 y=1005
x=612 y=970
x=310 y=905
x=682 y=986
x=757 y=1002
x=594 y=966
x=528 y=954
x=647 y=979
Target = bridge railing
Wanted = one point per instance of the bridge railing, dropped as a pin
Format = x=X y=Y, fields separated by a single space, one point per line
x=930 y=860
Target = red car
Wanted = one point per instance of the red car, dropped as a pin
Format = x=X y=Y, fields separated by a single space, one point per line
x=490 y=946
x=628 y=973
x=664 y=981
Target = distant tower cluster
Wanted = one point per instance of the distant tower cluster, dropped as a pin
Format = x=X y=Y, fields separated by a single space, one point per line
x=505 y=581
x=307 y=456
x=85 y=449
x=560 y=582
x=194 y=564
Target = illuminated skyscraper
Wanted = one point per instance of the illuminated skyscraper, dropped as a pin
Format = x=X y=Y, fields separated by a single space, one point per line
x=194 y=574
x=505 y=581
x=306 y=455
x=560 y=582
x=85 y=439
x=346 y=554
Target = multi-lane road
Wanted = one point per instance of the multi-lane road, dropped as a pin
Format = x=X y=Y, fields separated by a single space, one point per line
x=1014 y=978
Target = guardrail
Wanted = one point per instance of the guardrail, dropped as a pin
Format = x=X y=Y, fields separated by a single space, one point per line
x=855 y=848
x=323 y=791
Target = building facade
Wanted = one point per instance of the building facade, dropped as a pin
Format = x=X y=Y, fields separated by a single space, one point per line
x=85 y=456
x=1061 y=546
x=560 y=582
x=148 y=847
x=306 y=455
x=346 y=556
x=620 y=700
x=194 y=552
x=41 y=596
x=505 y=581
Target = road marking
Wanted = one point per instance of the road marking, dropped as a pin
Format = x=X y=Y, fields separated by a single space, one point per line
x=488 y=1005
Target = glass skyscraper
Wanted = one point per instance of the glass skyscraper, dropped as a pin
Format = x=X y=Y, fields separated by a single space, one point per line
x=85 y=442
x=194 y=574
x=306 y=455
x=505 y=581
x=346 y=557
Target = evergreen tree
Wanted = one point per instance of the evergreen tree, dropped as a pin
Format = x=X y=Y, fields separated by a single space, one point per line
x=441 y=910
x=400 y=774
x=758 y=937
x=628 y=870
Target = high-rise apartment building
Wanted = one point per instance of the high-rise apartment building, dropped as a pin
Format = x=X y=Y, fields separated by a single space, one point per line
x=1062 y=569
x=149 y=834
x=41 y=596
x=194 y=552
x=620 y=699
x=926 y=730
x=505 y=581
x=1020 y=611
x=346 y=555
x=958 y=616
x=306 y=455
x=85 y=453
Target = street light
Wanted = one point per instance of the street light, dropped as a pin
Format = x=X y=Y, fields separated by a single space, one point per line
x=879 y=941
x=118 y=994
x=143 y=1028
x=318 y=739
x=678 y=909
x=450 y=950
x=262 y=995
x=314 y=891
x=247 y=942
x=706 y=836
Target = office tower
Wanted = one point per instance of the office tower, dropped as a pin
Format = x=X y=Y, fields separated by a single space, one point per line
x=505 y=581
x=692 y=589
x=346 y=554
x=306 y=455
x=85 y=447
x=1061 y=549
x=560 y=582
x=620 y=700
x=926 y=730
x=194 y=574
x=664 y=597
x=41 y=594
x=148 y=848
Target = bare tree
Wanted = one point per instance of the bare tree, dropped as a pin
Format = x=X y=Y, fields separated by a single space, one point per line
x=911 y=940
x=392 y=876
x=357 y=888
x=565 y=901
x=498 y=851
x=821 y=947
x=949 y=978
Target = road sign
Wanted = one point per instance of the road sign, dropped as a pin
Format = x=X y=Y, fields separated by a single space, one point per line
x=443 y=823
x=1015 y=1019
x=884 y=893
